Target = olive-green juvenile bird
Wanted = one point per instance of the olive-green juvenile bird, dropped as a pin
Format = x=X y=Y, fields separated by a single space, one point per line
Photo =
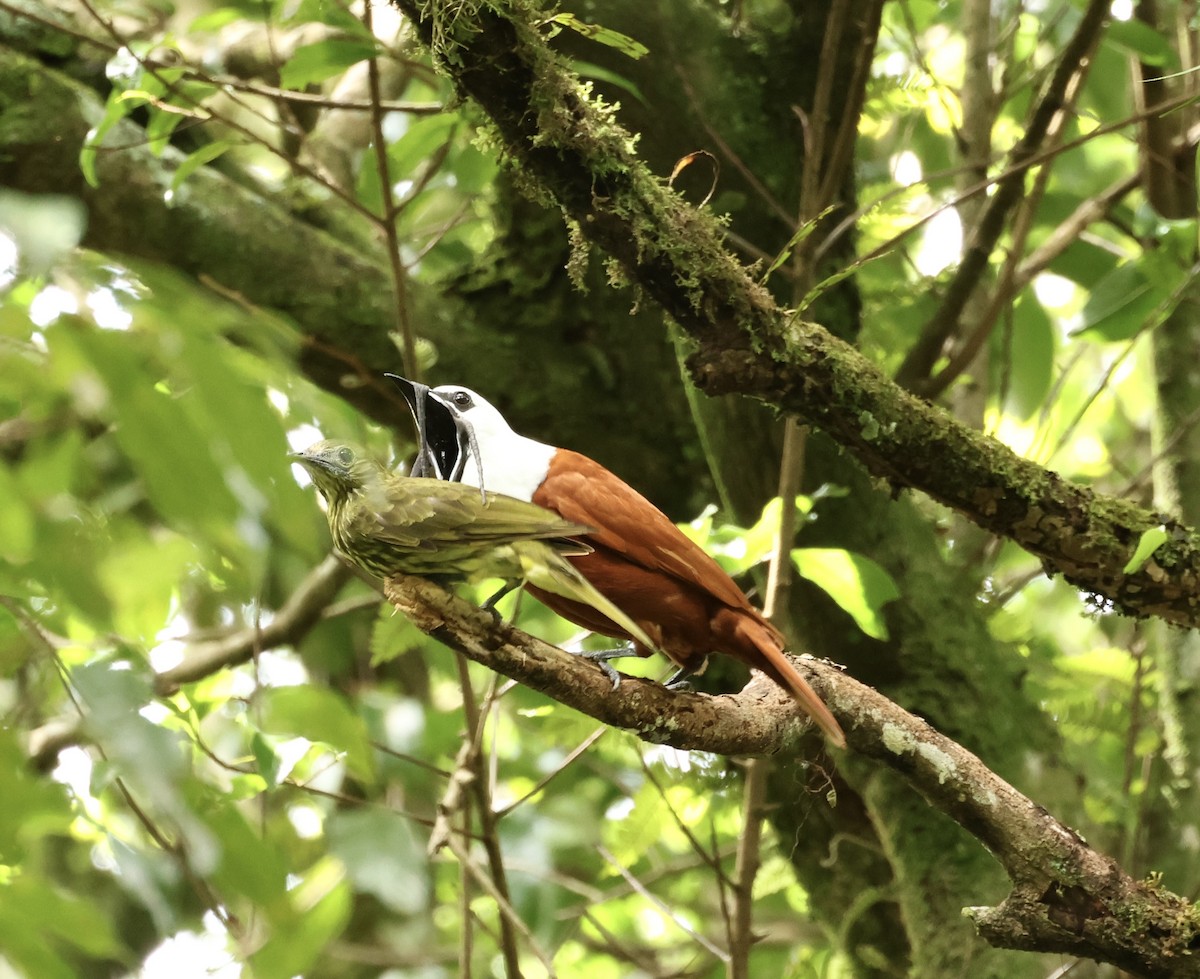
x=387 y=524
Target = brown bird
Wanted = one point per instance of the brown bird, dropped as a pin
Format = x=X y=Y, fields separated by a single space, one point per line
x=640 y=560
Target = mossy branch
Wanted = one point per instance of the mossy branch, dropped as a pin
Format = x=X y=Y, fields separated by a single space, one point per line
x=1066 y=897
x=569 y=146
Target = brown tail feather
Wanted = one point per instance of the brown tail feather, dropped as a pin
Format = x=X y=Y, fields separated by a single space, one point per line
x=775 y=663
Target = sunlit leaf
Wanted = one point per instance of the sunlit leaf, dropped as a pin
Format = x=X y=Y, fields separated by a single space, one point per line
x=859 y=585
x=1150 y=541
x=1105 y=661
x=604 y=35
x=320 y=715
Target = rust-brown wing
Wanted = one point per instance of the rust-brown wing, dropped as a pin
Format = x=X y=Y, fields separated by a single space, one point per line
x=584 y=492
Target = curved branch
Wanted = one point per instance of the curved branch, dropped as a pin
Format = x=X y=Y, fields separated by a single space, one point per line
x=569 y=145
x=1066 y=896
x=295 y=618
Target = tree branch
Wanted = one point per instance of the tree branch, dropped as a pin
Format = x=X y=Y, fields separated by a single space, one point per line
x=295 y=617
x=1066 y=896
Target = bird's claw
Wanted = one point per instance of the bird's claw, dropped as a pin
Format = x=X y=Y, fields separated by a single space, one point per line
x=601 y=657
x=680 y=680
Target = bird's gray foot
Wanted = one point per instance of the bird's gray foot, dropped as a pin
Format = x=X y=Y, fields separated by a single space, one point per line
x=679 y=680
x=601 y=657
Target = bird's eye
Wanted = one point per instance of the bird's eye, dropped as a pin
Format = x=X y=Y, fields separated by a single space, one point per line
x=462 y=400
x=345 y=455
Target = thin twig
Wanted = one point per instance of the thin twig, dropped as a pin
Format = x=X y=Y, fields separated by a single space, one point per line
x=662 y=906
x=914 y=370
x=388 y=224
x=181 y=93
x=508 y=914
x=576 y=753
x=472 y=758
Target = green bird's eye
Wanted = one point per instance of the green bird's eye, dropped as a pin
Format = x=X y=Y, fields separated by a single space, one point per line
x=345 y=455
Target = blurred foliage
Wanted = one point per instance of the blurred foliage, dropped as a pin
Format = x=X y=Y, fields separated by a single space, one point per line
x=276 y=814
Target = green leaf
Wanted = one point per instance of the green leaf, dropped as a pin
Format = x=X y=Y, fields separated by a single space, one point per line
x=67 y=917
x=320 y=715
x=587 y=69
x=213 y=20
x=382 y=856
x=313 y=63
x=859 y=585
x=1142 y=41
x=115 y=110
x=152 y=877
x=33 y=806
x=806 y=229
x=393 y=635
x=17 y=524
x=248 y=864
x=1150 y=541
x=319 y=909
x=420 y=140
x=1105 y=662
x=604 y=35
x=195 y=160
x=1120 y=304
x=1031 y=357
x=170 y=453
x=331 y=13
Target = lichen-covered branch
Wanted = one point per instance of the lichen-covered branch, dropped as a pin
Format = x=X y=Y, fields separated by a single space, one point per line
x=1066 y=896
x=569 y=147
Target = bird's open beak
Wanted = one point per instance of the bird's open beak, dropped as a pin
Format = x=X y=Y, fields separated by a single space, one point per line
x=442 y=435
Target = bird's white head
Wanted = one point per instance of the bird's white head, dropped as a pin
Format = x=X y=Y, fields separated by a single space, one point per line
x=484 y=417
x=508 y=463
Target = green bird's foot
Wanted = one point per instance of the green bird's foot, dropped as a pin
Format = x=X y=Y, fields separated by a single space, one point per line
x=490 y=604
x=601 y=657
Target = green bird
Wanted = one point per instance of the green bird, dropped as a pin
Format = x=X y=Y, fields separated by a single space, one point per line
x=387 y=524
